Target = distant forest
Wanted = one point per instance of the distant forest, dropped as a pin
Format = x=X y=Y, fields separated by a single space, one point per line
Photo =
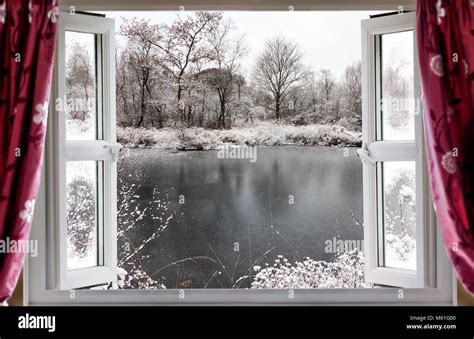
x=189 y=74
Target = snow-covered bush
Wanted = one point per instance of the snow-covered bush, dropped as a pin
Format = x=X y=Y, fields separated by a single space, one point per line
x=351 y=122
x=400 y=218
x=401 y=250
x=147 y=137
x=80 y=206
x=137 y=278
x=262 y=133
x=345 y=271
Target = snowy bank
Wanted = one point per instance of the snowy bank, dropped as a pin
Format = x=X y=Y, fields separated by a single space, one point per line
x=260 y=134
x=345 y=271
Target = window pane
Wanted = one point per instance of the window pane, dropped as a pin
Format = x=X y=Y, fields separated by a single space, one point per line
x=399 y=214
x=82 y=85
x=84 y=182
x=397 y=91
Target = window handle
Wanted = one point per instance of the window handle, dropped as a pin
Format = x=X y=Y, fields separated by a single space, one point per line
x=114 y=150
x=364 y=156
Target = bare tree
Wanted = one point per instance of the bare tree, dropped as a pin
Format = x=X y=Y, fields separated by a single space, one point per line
x=279 y=69
x=396 y=85
x=179 y=45
x=137 y=72
x=352 y=88
x=312 y=91
x=80 y=82
x=80 y=215
x=326 y=85
x=225 y=78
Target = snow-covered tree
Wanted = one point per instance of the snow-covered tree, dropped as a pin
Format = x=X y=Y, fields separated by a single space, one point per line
x=396 y=86
x=79 y=83
x=141 y=87
x=279 y=69
x=326 y=84
x=225 y=78
x=80 y=208
x=352 y=92
x=178 y=45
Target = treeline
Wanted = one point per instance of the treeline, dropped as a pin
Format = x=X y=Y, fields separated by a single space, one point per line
x=189 y=73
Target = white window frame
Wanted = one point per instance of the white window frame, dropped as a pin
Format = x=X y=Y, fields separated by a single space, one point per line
x=39 y=278
x=377 y=152
x=90 y=150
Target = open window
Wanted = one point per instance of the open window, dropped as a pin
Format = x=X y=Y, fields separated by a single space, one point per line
x=167 y=226
x=86 y=152
x=396 y=202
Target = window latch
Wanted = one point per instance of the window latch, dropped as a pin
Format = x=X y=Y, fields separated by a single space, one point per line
x=114 y=150
x=364 y=156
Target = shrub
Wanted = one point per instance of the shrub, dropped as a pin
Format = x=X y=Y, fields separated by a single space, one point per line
x=345 y=271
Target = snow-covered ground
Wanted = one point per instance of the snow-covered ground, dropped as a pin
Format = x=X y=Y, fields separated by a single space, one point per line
x=345 y=271
x=258 y=134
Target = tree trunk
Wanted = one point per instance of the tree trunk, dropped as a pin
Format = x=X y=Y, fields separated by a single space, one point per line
x=86 y=92
x=142 y=104
x=203 y=107
x=190 y=118
x=180 y=107
x=277 y=106
x=222 y=114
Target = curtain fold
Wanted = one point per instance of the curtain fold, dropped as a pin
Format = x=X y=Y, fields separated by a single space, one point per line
x=27 y=44
x=445 y=30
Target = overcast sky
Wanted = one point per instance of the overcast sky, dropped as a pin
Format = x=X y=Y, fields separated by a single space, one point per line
x=327 y=39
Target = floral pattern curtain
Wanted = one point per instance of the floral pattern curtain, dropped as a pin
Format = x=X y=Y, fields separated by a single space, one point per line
x=27 y=45
x=446 y=57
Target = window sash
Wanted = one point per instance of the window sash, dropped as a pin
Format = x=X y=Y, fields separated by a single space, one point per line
x=388 y=150
x=88 y=150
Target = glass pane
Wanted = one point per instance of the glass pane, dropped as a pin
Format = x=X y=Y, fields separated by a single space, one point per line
x=399 y=214
x=83 y=180
x=82 y=84
x=397 y=91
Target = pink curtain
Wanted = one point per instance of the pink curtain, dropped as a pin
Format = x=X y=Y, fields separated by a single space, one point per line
x=27 y=44
x=446 y=58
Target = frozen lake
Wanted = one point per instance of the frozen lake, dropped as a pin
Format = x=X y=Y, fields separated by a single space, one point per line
x=231 y=214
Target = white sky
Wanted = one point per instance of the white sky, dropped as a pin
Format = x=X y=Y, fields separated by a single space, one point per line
x=327 y=39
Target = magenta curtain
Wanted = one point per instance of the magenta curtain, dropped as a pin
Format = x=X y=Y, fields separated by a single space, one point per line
x=27 y=44
x=446 y=58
